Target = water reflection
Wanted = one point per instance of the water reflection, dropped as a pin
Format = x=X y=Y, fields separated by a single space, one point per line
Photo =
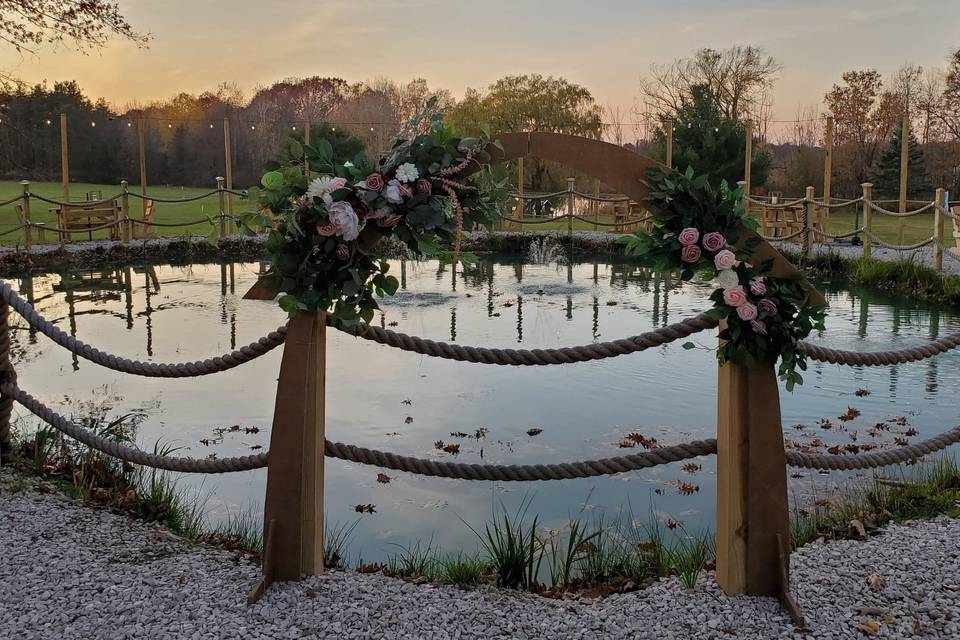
x=171 y=314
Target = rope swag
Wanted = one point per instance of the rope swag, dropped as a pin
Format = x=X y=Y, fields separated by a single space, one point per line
x=703 y=232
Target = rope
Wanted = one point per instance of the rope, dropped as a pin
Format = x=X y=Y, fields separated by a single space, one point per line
x=528 y=221
x=105 y=225
x=521 y=472
x=524 y=357
x=539 y=196
x=838 y=205
x=780 y=238
x=784 y=205
x=175 y=200
x=897 y=247
x=565 y=216
x=875 y=459
x=170 y=224
x=18 y=228
x=11 y=200
x=137 y=367
x=593 y=198
x=881 y=358
x=899 y=214
x=951 y=215
x=81 y=203
x=131 y=454
x=855 y=232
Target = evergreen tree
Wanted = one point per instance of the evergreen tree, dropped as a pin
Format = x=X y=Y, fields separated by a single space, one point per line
x=885 y=173
x=711 y=143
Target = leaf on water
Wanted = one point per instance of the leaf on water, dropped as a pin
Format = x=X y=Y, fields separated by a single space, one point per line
x=408 y=419
x=407 y=402
x=687 y=489
x=691 y=467
x=861 y=392
x=534 y=431
x=851 y=414
x=611 y=303
x=383 y=478
x=365 y=508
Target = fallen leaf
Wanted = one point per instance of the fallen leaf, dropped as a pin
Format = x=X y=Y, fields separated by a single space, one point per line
x=858 y=526
x=876 y=582
x=851 y=414
x=452 y=448
x=408 y=419
x=383 y=478
x=687 y=489
x=392 y=324
x=691 y=467
x=252 y=430
x=365 y=508
x=611 y=303
x=534 y=431
x=861 y=392
x=869 y=627
x=407 y=401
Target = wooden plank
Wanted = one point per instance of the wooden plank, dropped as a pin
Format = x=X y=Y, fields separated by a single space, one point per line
x=295 y=472
x=64 y=157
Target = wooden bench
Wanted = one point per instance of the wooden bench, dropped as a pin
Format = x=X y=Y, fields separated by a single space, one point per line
x=79 y=217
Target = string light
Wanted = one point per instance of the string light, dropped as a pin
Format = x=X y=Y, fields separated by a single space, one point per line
x=253 y=126
x=48 y=120
x=169 y=125
x=129 y=124
x=93 y=124
x=333 y=128
x=294 y=127
x=211 y=125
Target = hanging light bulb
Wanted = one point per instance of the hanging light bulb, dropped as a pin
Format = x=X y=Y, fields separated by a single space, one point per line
x=211 y=125
x=129 y=124
x=294 y=127
x=169 y=125
x=48 y=120
x=333 y=128
x=93 y=124
x=371 y=128
x=253 y=127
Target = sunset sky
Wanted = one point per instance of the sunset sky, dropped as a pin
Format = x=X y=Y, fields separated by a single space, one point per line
x=605 y=45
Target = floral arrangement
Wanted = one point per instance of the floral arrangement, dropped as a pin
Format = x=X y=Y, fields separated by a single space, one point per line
x=698 y=230
x=323 y=223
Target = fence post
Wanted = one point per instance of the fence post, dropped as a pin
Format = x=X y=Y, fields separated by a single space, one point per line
x=668 y=160
x=228 y=164
x=596 y=204
x=223 y=215
x=748 y=156
x=142 y=150
x=753 y=524
x=64 y=157
x=938 y=209
x=293 y=512
x=125 y=211
x=27 y=235
x=867 y=223
x=824 y=217
x=7 y=376
x=904 y=168
x=570 y=187
x=807 y=215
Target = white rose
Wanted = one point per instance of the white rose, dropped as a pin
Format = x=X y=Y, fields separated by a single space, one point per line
x=407 y=172
x=727 y=278
x=324 y=185
x=392 y=192
x=345 y=219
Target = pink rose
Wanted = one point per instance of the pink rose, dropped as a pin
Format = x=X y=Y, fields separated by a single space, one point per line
x=690 y=253
x=725 y=259
x=374 y=182
x=689 y=236
x=406 y=191
x=757 y=287
x=390 y=221
x=338 y=183
x=767 y=307
x=714 y=241
x=343 y=251
x=747 y=311
x=758 y=327
x=735 y=296
x=424 y=187
x=327 y=230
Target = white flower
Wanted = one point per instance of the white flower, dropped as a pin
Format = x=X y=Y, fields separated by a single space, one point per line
x=727 y=278
x=323 y=186
x=348 y=164
x=407 y=172
x=344 y=218
x=392 y=191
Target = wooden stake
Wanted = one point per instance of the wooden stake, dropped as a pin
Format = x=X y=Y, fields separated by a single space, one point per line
x=938 y=210
x=808 y=209
x=64 y=157
x=27 y=235
x=125 y=211
x=668 y=160
x=295 y=473
x=751 y=481
x=228 y=159
x=904 y=164
x=867 y=223
x=223 y=218
x=143 y=168
x=748 y=157
x=824 y=217
x=570 y=187
x=521 y=203
x=266 y=564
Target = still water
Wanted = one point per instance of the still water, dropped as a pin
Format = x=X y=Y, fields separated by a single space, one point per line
x=402 y=402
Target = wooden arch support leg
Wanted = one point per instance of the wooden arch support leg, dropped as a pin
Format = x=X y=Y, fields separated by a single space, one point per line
x=752 y=512
x=293 y=513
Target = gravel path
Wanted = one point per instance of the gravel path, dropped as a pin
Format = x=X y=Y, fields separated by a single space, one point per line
x=68 y=571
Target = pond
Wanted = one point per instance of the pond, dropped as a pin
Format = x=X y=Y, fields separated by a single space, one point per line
x=406 y=403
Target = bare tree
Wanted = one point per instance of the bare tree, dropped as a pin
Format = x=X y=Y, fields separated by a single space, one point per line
x=739 y=78
x=614 y=115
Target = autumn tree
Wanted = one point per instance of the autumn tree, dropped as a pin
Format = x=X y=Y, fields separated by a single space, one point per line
x=948 y=112
x=712 y=143
x=530 y=103
x=864 y=117
x=25 y=25
x=739 y=79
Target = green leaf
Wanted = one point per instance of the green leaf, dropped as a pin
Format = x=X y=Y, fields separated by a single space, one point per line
x=689 y=345
x=324 y=150
x=390 y=285
x=272 y=180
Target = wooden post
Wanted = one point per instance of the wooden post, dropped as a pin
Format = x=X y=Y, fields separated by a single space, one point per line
x=867 y=223
x=751 y=482
x=668 y=160
x=125 y=211
x=570 y=187
x=521 y=202
x=824 y=218
x=938 y=208
x=808 y=209
x=27 y=235
x=7 y=375
x=904 y=163
x=295 y=474
x=596 y=204
x=64 y=157
x=143 y=168
x=228 y=160
x=748 y=157
x=223 y=217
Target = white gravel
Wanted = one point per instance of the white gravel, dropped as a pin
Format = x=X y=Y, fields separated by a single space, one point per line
x=68 y=571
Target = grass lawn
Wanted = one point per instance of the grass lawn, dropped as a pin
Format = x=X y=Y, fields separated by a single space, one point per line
x=915 y=228
x=163 y=212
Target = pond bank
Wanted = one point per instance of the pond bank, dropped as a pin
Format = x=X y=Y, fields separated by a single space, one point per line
x=71 y=571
